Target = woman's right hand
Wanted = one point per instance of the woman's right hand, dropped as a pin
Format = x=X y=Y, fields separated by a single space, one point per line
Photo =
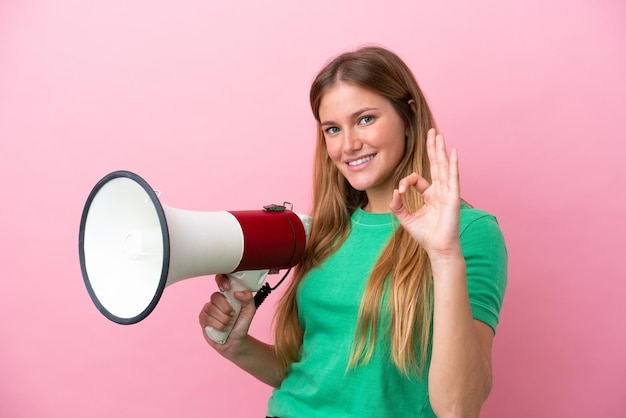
x=218 y=314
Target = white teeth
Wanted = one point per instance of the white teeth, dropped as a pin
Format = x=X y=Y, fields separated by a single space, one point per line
x=360 y=160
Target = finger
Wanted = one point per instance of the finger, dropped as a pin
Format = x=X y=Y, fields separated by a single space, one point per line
x=209 y=321
x=432 y=154
x=454 y=172
x=243 y=296
x=212 y=316
x=218 y=299
x=246 y=298
x=407 y=182
x=396 y=201
x=220 y=309
x=442 y=159
x=413 y=180
x=246 y=314
x=397 y=206
x=212 y=324
x=222 y=282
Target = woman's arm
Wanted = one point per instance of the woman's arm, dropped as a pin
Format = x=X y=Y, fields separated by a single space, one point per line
x=251 y=355
x=460 y=370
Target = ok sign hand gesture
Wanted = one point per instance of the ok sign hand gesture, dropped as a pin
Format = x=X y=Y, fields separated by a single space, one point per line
x=435 y=226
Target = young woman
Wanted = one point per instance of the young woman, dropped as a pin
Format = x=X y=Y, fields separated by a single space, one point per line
x=393 y=310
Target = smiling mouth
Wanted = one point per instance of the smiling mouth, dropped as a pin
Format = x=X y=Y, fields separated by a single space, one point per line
x=361 y=160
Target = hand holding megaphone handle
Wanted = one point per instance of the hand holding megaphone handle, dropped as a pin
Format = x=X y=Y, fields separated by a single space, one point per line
x=239 y=281
x=236 y=285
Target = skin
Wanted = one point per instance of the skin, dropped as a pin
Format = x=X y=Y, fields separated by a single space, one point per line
x=357 y=124
x=460 y=375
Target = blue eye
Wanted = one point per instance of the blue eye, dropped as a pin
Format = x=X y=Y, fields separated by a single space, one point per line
x=332 y=130
x=365 y=120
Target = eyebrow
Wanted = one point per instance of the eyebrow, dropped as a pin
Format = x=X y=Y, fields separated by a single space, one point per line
x=352 y=116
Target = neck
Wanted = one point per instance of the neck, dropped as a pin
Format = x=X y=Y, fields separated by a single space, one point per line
x=377 y=203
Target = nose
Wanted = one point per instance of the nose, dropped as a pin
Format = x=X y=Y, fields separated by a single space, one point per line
x=351 y=141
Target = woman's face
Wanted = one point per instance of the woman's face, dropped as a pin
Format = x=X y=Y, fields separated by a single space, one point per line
x=365 y=138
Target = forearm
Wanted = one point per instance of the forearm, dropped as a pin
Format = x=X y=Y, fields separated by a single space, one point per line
x=460 y=370
x=258 y=359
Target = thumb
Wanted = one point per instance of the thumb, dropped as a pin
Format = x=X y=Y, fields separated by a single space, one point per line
x=247 y=301
x=397 y=206
x=247 y=311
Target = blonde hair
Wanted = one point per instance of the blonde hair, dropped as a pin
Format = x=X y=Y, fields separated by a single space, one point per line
x=403 y=266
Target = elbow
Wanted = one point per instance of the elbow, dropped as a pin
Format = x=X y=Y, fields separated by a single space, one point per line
x=459 y=414
x=461 y=405
x=457 y=410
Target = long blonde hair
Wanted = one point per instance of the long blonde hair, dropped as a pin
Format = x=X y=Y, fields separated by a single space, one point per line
x=403 y=266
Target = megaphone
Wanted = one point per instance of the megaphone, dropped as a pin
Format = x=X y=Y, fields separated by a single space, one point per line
x=131 y=247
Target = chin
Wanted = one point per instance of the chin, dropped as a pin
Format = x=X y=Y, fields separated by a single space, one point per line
x=359 y=186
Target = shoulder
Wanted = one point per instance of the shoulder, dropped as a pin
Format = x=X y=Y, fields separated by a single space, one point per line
x=477 y=223
x=482 y=242
x=471 y=215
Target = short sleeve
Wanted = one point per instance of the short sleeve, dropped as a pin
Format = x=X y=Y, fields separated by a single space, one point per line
x=486 y=259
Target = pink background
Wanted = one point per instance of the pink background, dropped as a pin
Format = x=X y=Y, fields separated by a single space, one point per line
x=208 y=102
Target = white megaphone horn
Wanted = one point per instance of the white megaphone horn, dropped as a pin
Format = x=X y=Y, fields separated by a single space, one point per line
x=131 y=247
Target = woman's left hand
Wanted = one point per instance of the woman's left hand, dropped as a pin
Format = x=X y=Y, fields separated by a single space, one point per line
x=435 y=226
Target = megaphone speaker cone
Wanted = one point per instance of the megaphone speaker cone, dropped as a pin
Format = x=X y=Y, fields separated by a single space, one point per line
x=124 y=247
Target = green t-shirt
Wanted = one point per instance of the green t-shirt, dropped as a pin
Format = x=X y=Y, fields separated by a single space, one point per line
x=319 y=384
